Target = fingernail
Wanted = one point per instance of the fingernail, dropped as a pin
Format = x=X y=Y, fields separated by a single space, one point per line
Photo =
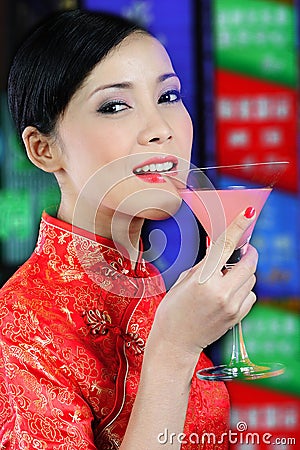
x=208 y=241
x=249 y=213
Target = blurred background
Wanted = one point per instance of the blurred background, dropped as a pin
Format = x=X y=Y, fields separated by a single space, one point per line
x=239 y=66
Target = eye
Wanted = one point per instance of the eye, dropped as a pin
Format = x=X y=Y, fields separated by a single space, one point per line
x=113 y=107
x=171 y=96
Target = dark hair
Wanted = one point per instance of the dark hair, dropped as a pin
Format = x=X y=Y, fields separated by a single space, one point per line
x=54 y=61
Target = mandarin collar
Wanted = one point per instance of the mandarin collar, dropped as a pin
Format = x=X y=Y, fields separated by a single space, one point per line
x=115 y=255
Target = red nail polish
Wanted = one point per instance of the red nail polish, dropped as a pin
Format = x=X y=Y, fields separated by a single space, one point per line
x=249 y=213
x=208 y=241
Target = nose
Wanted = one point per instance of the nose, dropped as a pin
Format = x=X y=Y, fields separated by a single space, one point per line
x=155 y=130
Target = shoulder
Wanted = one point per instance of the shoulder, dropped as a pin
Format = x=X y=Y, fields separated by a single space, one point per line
x=27 y=304
x=20 y=283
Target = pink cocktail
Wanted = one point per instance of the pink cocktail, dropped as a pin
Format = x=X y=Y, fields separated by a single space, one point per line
x=216 y=195
x=207 y=205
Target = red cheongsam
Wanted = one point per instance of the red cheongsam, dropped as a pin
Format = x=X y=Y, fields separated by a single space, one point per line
x=74 y=320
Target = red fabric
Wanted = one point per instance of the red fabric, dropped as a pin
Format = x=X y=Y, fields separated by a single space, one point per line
x=74 y=320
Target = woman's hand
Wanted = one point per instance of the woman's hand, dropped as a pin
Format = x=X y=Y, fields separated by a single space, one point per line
x=204 y=303
x=206 y=300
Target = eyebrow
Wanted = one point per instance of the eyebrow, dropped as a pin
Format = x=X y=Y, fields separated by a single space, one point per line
x=165 y=76
x=129 y=85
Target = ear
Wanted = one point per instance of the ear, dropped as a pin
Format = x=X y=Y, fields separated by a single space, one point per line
x=41 y=149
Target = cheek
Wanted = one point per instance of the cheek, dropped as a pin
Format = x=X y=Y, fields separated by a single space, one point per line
x=108 y=143
x=87 y=151
x=189 y=128
x=185 y=130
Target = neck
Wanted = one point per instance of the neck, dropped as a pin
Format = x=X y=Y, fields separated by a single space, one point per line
x=122 y=229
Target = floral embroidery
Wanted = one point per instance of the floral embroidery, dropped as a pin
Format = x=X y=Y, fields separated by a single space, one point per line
x=109 y=440
x=98 y=322
x=64 y=373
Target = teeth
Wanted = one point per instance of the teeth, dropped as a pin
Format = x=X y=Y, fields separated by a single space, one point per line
x=161 y=167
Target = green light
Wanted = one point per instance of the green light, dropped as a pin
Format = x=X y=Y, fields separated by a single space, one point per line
x=16 y=217
x=272 y=335
x=258 y=38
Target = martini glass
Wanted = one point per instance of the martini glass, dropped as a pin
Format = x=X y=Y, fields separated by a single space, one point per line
x=216 y=195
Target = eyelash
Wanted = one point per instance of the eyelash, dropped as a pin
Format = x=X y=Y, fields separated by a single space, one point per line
x=109 y=107
x=168 y=94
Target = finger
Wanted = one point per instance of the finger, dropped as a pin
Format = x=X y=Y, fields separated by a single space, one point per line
x=245 y=290
x=219 y=252
x=234 y=299
x=242 y=270
x=246 y=306
x=225 y=245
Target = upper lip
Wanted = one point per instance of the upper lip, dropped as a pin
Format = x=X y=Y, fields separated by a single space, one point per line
x=160 y=163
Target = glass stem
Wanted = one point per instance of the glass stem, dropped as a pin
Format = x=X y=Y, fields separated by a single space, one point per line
x=239 y=353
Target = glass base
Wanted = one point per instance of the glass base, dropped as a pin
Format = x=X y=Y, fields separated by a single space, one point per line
x=246 y=371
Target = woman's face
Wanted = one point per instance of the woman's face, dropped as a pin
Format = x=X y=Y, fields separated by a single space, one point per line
x=122 y=127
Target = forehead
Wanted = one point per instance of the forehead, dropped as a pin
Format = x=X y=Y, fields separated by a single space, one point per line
x=138 y=54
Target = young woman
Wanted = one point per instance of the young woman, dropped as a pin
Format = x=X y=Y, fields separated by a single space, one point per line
x=94 y=353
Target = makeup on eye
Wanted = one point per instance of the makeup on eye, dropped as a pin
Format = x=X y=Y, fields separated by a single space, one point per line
x=120 y=96
x=170 y=96
x=113 y=107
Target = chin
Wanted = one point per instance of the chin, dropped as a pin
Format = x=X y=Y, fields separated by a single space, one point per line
x=147 y=202
x=156 y=214
x=161 y=212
